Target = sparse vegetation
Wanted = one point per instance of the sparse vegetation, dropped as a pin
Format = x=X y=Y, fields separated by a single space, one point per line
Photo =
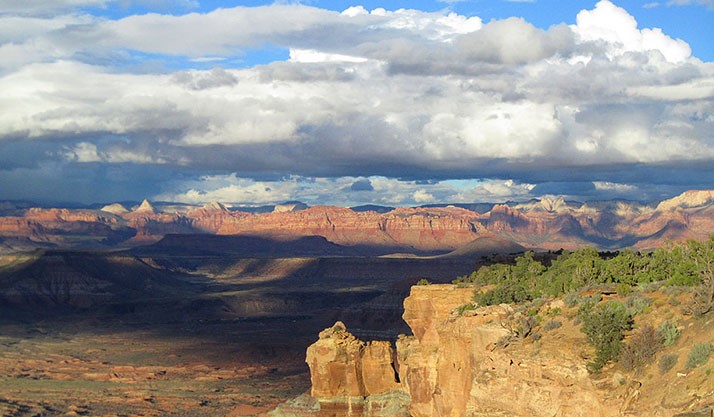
x=464 y=308
x=423 y=281
x=667 y=362
x=699 y=355
x=703 y=297
x=552 y=325
x=604 y=326
x=554 y=311
x=637 y=304
x=642 y=347
x=624 y=289
x=649 y=287
x=669 y=332
x=571 y=299
x=504 y=341
x=687 y=264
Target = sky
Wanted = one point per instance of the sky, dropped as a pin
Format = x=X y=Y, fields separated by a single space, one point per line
x=396 y=103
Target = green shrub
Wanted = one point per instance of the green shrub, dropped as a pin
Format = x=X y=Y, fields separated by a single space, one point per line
x=552 y=325
x=461 y=280
x=641 y=348
x=595 y=298
x=637 y=304
x=648 y=287
x=491 y=274
x=604 y=326
x=508 y=293
x=515 y=284
x=688 y=264
x=423 y=281
x=699 y=355
x=571 y=271
x=681 y=265
x=554 y=311
x=624 y=289
x=465 y=307
x=571 y=299
x=667 y=362
x=669 y=332
x=586 y=305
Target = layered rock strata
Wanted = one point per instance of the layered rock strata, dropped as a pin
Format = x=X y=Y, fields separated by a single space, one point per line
x=471 y=363
x=452 y=366
x=353 y=378
x=547 y=224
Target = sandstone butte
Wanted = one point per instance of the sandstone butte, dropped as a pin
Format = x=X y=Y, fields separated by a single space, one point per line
x=453 y=366
x=546 y=224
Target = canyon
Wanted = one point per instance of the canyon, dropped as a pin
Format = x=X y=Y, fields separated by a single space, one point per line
x=545 y=224
x=166 y=333
x=221 y=306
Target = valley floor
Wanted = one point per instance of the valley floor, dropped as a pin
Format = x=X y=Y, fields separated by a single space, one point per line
x=184 y=336
x=114 y=369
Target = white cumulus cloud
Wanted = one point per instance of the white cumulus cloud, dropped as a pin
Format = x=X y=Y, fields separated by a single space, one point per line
x=375 y=94
x=615 y=26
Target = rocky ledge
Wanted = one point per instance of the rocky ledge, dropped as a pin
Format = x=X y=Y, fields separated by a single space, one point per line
x=472 y=363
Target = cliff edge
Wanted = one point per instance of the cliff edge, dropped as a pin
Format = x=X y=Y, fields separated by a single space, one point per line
x=482 y=362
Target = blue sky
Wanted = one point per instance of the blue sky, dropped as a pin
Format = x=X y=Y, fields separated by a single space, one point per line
x=387 y=102
x=688 y=20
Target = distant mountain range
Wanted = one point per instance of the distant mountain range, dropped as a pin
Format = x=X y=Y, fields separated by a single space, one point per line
x=546 y=224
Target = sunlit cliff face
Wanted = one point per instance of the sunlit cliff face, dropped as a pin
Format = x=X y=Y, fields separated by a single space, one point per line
x=467 y=231
x=460 y=361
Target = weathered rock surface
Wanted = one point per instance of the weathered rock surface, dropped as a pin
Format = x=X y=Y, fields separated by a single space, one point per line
x=473 y=365
x=452 y=366
x=350 y=378
x=344 y=366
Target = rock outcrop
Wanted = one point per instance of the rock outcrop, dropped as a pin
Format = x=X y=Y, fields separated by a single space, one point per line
x=350 y=378
x=472 y=363
x=452 y=365
x=688 y=199
x=288 y=207
x=411 y=229
x=145 y=208
x=115 y=208
x=344 y=366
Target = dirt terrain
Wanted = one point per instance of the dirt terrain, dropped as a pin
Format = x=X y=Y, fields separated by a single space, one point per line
x=112 y=334
x=111 y=369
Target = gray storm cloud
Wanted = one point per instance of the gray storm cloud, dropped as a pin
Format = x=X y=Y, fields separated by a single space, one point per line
x=402 y=94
